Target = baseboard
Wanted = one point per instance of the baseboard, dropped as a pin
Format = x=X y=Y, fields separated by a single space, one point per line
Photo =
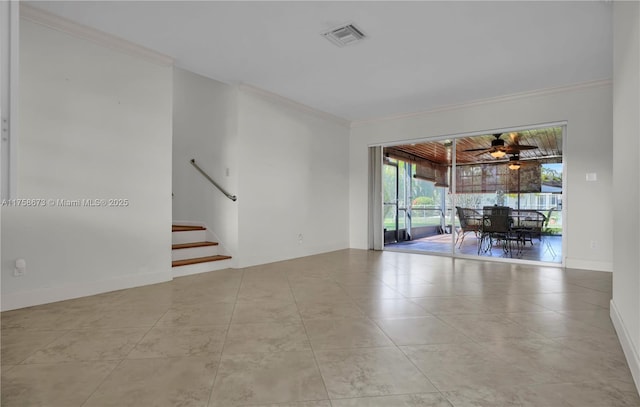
x=47 y=295
x=200 y=268
x=573 y=263
x=630 y=352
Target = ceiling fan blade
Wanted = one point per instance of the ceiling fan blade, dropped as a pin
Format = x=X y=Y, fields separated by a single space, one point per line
x=471 y=150
x=524 y=147
x=516 y=148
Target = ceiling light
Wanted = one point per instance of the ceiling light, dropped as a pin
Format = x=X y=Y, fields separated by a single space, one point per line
x=498 y=154
x=514 y=164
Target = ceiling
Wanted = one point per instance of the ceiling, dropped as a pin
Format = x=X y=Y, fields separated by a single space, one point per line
x=548 y=143
x=418 y=55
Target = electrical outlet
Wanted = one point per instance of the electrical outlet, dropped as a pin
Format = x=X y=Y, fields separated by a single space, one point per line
x=300 y=238
x=593 y=244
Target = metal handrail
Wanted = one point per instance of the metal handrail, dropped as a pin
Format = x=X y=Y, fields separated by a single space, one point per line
x=215 y=184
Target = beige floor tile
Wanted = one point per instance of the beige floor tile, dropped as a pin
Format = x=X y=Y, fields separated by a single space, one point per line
x=267 y=378
x=407 y=400
x=157 y=382
x=594 y=284
x=157 y=295
x=60 y=384
x=546 y=359
x=389 y=308
x=370 y=372
x=18 y=344
x=53 y=318
x=263 y=273
x=266 y=337
x=203 y=295
x=265 y=311
x=553 y=325
x=363 y=278
x=560 y=302
x=504 y=335
x=85 y=345
x=508 y=303
x=168 y=341
x=322 y=403
x=593 y=344
x=453 y=305
x=420 y=331
x=124 y=318
x=265 y=290
x=522 y=396
x=211 y=314
x=590 y=395
x=345 y=333
x=488 y=327
x=371 y=291
x=428 y=290
x=325 y=292
x=313 y=311
x=403 y=282
x=452 y=366
x=598 y=318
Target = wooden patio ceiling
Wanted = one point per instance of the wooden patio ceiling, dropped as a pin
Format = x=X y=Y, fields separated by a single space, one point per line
x=547 y=140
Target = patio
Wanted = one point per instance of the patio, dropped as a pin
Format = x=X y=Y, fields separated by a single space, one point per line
x=547 y=250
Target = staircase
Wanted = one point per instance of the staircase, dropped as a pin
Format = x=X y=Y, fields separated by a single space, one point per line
x=192 y=253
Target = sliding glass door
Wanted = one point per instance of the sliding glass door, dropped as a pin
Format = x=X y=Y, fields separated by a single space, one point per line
x=438 y=194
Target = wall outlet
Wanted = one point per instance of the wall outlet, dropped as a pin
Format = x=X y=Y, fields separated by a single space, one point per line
x=593 y=244
x=300 y=238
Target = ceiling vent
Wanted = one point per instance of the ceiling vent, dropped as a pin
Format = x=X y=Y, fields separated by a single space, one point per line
x=344 y=35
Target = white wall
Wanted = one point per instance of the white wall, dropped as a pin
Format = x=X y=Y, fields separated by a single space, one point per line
x=587 y=110
x=95 y=123
x=625 y=306
x=293 y=180
x=204 y=128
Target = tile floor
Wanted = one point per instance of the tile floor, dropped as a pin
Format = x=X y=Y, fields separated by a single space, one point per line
x=345 y=329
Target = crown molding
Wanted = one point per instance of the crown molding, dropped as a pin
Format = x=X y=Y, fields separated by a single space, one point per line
x=293 y=104
x=58 y=23
x=497 y=99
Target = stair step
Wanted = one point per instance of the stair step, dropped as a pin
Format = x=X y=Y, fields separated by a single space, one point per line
x=194 y=244
x=186 y=228
x=178 y=263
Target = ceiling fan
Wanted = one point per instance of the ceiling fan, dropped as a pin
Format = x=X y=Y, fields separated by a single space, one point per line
x=499 y=148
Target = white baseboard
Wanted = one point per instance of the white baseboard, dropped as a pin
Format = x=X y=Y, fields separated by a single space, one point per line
x=573 y=263
x=47 y=295
x=630 y=352
x=200 y=268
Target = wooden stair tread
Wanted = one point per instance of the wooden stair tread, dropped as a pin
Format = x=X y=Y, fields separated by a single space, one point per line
x=186 y=228
x=197 y=260
x=194 y=244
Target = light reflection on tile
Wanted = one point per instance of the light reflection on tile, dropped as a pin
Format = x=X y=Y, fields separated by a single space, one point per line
x=320 y=331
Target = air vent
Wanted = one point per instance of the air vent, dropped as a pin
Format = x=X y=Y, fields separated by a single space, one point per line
x=344 y=35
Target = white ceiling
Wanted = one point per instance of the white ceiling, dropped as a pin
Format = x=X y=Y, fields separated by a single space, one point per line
x=419 y=55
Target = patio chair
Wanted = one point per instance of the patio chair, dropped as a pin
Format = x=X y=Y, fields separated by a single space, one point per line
x=497 y=225
x=470 y=221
